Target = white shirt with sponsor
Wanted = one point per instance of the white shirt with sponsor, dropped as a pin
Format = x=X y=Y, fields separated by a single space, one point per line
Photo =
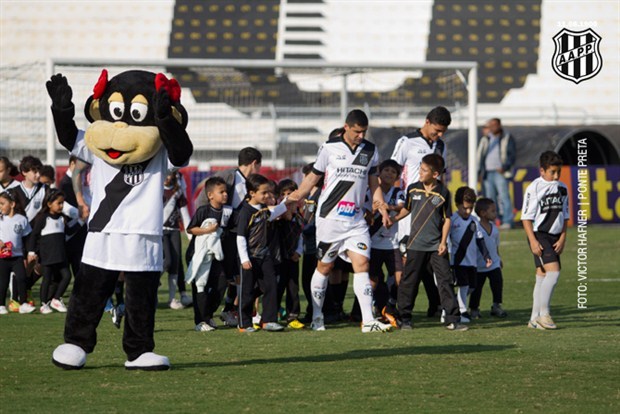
x=458 y=227
x=130 y=235
x=546 y=204
x=346 y=178
x=491 y=240
x=13 y=229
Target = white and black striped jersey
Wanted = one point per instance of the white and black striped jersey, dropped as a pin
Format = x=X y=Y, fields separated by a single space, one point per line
x=466 y=241
x=409 y=151
x=48 y=239
x=127 y=199
x=31 y=199
x=346 y=178
x=491 y=240
x=546 y=204
x=14 y=229
x=12 y=184
x=174 y=202
x=381 y=237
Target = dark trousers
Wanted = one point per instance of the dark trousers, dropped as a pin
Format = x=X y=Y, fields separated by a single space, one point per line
x=289 y=281
x=415 y=267
x=307 y=270
x=496 y=281
x=91 y=290
x=75 y=247
x=15 y=265
x=51 y=273
x=263 y=275
x=207 y=302
x=172 y=257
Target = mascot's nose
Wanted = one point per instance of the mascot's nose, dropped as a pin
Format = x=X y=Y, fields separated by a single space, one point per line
x=120 y=125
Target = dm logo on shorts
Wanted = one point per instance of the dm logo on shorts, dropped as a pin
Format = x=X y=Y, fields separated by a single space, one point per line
x=577 y=56
x=133 y=174
x=362 y=246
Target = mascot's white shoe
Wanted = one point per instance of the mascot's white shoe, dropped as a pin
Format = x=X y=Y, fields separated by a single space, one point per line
x=149 y=361
x=69 y=356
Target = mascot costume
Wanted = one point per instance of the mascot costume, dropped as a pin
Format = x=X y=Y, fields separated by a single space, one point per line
x=137 y=134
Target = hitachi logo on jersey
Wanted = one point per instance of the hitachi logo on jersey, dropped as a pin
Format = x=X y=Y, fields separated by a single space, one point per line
x=346 y=208
x=351 y=170
x=551 y=200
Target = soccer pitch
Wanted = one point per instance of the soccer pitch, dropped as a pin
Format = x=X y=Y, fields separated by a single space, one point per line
x=497 y=366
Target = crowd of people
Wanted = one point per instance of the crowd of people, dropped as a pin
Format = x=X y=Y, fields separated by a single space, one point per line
x=254 y=241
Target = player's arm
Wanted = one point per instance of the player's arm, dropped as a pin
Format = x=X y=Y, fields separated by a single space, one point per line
x=535 y=246
x=378 y=203
x=445 y=232
x=306 y=185
x=76 y=180
x=558 y=246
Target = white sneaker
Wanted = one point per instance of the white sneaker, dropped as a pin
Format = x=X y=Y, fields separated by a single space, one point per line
x=442 y=319
x=3 y=310
x=318 y=324
x=376 y=326
x=44 y=309
x=149 y=361
x=204 y=327
x=186 y=300
x=256 y=319
x=175 y=304
x=27 y=308
x=58 y=305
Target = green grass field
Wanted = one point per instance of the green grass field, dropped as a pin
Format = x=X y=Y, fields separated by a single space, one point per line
x=498 y=366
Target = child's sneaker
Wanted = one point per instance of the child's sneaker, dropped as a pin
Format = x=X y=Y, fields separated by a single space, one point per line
x=27 y=308
x=389 y=317
x=376 y=326
x=204 y=327
x=256 y=319
x=273 y=327
x=3 y=310
x=496 y=310
x=211 y=322
x=535 y=325
x=318 y=324
x=186 y=300
x=465 y=317
x=13 y=306
x=175 y=304
x=295 y=324
x=58 y=305
x=249 y=329
x=109 y=306
x=475 y=314
x=117 y=315
x=231 y=319
x=455 y=326
x=44 y=309
x=546 y=322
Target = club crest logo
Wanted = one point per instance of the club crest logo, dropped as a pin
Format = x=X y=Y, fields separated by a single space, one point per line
x=577 y=55
x=133 y=174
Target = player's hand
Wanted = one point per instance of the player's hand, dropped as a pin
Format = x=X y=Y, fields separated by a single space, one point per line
x=31 y=258
x=161 y=103
x=59 y=90
x=536 y=248
x=489 y=262
x=83 y=211
x=246 y=265
x=443 y=249
x=295 y=257
x=293 y=197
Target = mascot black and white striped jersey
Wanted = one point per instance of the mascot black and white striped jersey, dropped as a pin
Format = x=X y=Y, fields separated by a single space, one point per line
x=123 y=193
x=346 y=178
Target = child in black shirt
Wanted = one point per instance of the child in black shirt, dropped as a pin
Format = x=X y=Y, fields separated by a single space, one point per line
x=255 y=233
x=207 y=298
x=428 y=202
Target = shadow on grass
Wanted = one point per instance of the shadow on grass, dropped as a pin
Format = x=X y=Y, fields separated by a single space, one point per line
x=357 y=354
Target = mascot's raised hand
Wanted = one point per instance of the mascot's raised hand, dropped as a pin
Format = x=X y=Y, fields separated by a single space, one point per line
x=137 y=134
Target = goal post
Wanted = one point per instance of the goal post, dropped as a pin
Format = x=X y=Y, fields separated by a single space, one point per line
x=340 y=81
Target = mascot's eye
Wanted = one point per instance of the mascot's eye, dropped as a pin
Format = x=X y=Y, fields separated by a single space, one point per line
x=138 y=111
x=116 y=110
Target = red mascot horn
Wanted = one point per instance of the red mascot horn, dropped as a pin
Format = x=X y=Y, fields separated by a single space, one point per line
x=101 y=84
x=171 y=86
